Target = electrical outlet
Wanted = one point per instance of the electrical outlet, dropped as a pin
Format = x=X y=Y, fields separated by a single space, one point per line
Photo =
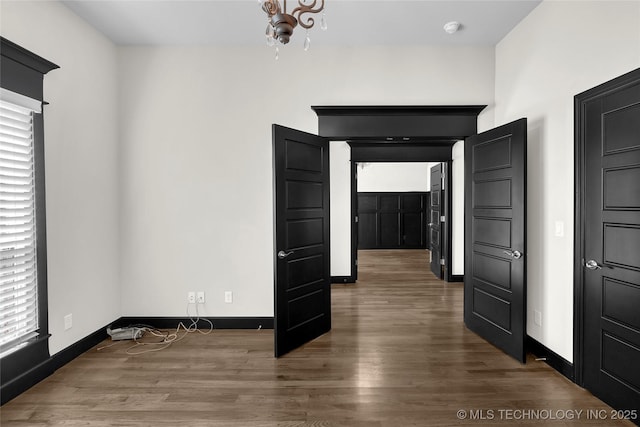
x=191 y=297
x=228 y=297
x=200 y=297
x=68 y=322
x=537 y=317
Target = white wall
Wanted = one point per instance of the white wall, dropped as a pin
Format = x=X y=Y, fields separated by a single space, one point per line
x=561 y=49
x=457 y=209
x=340 y=202
x=394 y=177
x=196 y=154
x=81 y=156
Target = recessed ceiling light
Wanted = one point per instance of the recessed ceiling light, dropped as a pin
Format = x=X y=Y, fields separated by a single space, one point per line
x=451 y=27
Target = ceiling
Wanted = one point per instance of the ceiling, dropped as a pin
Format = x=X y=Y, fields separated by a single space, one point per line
x=350 y=22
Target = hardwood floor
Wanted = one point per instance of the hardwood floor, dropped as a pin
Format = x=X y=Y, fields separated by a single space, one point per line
x=398 y=355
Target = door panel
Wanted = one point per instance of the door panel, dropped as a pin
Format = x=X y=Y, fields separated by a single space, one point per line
x=412 y=231
x=302 y=274
x=611 y=289
x=435 y=226
x=389 y=230
x=495 y=287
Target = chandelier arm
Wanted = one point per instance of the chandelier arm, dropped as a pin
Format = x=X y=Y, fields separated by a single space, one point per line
x=304 y=8
x=271 y=7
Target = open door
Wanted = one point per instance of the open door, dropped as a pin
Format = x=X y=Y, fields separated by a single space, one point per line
x=495 y=231
x=436 y=212
x=301 y=226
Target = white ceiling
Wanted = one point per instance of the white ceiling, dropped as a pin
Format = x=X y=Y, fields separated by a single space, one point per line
x=350 y=22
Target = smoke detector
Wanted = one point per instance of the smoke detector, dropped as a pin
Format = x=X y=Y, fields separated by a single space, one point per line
x=451 y=27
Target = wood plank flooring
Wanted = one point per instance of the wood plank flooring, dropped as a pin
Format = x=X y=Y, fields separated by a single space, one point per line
x=398 y=355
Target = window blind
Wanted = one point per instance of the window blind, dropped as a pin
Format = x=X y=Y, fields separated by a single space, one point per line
x=18 y=275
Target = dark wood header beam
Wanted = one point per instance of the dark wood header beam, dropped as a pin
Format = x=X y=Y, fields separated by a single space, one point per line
x=22 y=70
x=450 y=122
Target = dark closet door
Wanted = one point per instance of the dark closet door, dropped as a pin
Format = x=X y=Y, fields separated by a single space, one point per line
x=302 y=263
x=435 y=225
x=413 y=211
x=391 y=220
x=495 y=230
x=611 y=335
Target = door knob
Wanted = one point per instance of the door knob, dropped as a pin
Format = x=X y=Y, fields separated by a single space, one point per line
x=514 y=254
x=283 y=254
x=592 y=265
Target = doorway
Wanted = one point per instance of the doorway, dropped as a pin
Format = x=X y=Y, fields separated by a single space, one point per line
x=300 y=159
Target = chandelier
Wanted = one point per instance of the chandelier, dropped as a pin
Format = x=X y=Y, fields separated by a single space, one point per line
x=281 y=24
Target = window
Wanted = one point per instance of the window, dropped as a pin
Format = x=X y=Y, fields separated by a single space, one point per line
x=18 y=266
x=24 y=330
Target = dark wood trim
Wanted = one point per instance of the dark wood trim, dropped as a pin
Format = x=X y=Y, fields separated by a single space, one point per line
x=218 y=322
x=397 y=110
x=456 y=278
x=65 y=356
x=24 y=368
x=354 y=221
x=550 y=357
x=41 y=221
x=342 y=279
x=38 y=365
x=397 y=122
x=370 y=153
x=27 y=58
x=22 y=71
x=435 y=130
x=448 y=226
x=580 y=101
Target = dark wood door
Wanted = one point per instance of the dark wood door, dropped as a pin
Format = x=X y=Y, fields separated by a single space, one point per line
x=495 y=230
x=435 y=225
x=611 y=266
x=302 y=263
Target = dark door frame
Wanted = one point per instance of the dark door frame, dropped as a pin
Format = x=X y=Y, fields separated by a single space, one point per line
x=447 y=250
x=580 y=102
x=399 y=134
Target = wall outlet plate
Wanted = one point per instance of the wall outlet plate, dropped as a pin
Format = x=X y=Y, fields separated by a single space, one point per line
x=200 y=297
x=68 y=322
x=537 y=317
x=191 y=297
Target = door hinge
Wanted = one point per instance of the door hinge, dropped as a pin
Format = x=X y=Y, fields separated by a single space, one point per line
x=442 y=218
x=357 y=219
x=356 y=263
x=442 y=261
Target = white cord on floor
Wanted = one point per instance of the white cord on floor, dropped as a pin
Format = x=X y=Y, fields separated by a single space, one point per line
x=167 y=338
